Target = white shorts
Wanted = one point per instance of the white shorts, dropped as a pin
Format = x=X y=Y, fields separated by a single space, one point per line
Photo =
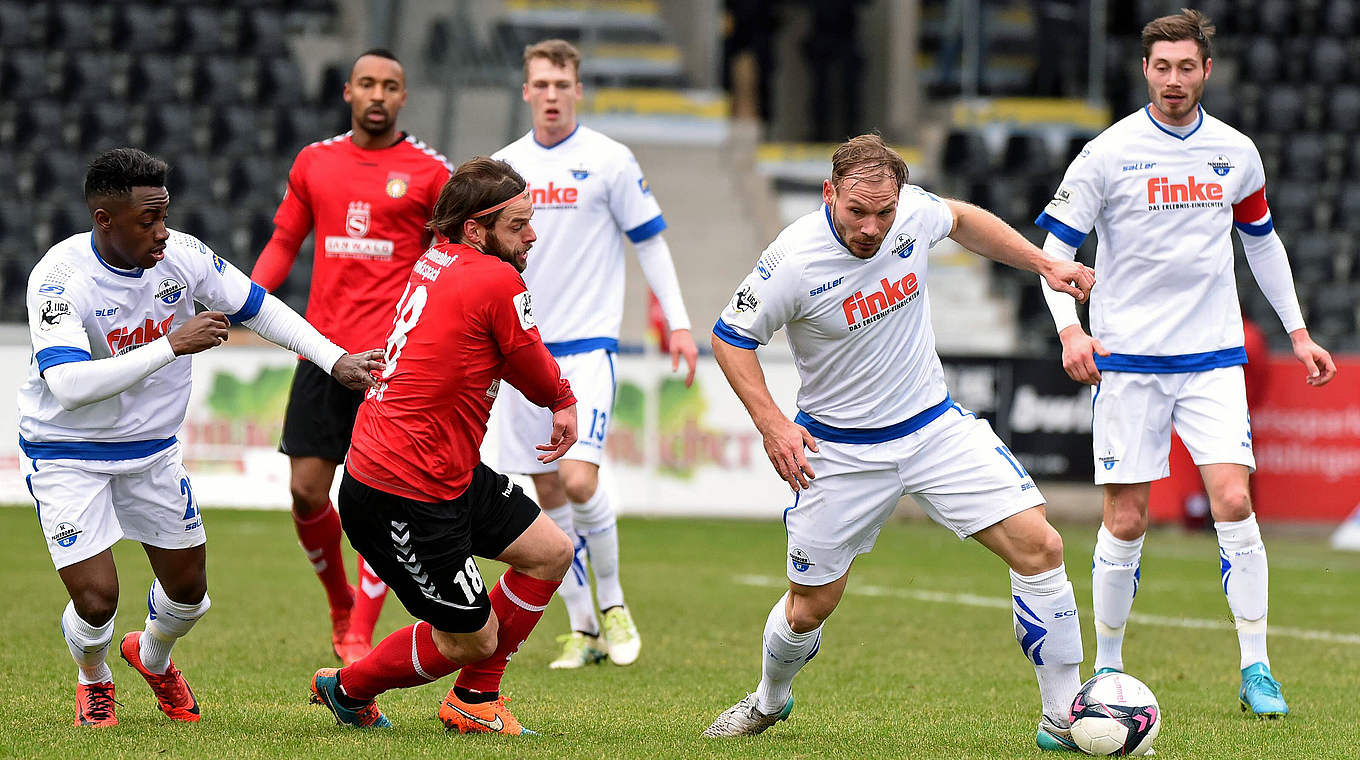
x=962 y=475
x=85 y=505
x=1134 y=413
x=524 y=425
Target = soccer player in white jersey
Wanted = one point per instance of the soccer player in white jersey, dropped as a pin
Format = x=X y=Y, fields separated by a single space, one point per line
x=589 y=194
x=1163 y=187
x=111 y=317
x=848 y=284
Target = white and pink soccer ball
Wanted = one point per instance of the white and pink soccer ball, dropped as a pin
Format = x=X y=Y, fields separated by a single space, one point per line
x=1115 y=714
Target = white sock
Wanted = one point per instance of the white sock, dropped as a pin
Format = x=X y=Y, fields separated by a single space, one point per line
x=783 y=654
x=166 y=622
x=575 y=588
x=89 y=645
x=1246 y=582
x=1049 y=633
x=1114 y=583
x=595 y=521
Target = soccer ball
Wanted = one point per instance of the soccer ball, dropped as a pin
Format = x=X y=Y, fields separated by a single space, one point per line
x=1115 y=714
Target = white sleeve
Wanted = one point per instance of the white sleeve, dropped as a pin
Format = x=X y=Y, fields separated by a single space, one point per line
x=277 y=323
x=631 y=202
x=764 y=302
x=1062 y=306
x=77 y=383
x=1270 y=266
x=659 y=268
x=1079 y=199
x=221 y=286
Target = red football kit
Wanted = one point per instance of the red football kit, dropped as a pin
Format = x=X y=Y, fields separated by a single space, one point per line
x=369 y=209
x=463 y=324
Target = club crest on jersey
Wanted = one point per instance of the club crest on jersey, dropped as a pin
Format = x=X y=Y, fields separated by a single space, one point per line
x=746 y=300
x=358 y=218
x=66 y=535
x=580 y=173
x=800 y=560
x=904 y=245
x=1221 y=165
x=397 y=184
x=169 y=291
x=52 y=312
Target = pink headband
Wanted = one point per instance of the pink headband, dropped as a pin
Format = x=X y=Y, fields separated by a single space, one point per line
x=502 y=204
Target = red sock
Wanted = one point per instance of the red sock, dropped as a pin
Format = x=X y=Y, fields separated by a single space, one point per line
x=368 y=603
x=518 y=601
x=406 y=658
x=320 y=538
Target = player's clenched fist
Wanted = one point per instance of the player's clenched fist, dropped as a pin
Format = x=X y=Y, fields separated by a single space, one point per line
x=202 y=332
x=355 y=371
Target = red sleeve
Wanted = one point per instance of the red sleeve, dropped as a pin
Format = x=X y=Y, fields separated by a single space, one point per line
x=277 y=258
x=534 y=372
x=528 y=365
x=1252 y=208
x=292 y=222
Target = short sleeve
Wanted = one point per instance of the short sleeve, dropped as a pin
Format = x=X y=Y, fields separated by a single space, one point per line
x=1074 y=208
x=219 y=285
x=631 y=203
x=764 y=302
x=509 y=314
x=56 y=319
x=935 y=215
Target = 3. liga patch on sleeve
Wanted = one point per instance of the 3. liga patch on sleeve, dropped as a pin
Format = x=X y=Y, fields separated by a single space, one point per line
x=52 y=312
x=524 y=309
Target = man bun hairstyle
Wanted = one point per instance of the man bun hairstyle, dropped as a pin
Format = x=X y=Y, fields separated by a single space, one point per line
x=866 y=156
x=1189 y=24
x=114 y=173
x=479 y=184
x=558 y=52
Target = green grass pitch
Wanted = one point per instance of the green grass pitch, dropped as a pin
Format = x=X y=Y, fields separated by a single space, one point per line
x=919 y=661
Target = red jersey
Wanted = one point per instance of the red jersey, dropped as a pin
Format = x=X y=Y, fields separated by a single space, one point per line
x=463 y=324
x=369 y=209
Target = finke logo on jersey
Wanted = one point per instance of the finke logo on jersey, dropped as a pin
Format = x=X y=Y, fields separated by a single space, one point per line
x=891 y=297
x=1163 y=194
x=800 y=560
x=553 y=195
x=746 y=300
x=397 y=184
x=358 y=218
x=904 y=245
x=123 y=340
x=524 y=309
x=580 y=173
x=169 y=291
x=51 y=312
x=1221 y=165
x=66 y=534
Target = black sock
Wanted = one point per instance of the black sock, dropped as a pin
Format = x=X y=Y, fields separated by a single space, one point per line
x=346 y=701
x=475 y=697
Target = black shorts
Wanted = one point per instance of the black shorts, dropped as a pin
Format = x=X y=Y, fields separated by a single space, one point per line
x=424 y=551
x=320 y=416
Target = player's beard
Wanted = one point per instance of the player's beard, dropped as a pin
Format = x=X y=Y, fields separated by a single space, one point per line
x=515 y=257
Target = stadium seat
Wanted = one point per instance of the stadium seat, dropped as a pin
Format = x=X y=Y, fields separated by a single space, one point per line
x=205 y=29
x=1343 y=109
x=87 y=76
x=104 y=125
x=1275 y=16
x=58 y=174
x=255 y=180
x=210 y=224
x=1312 y=256
x=142 y=28
x=169 y=129
x=218 y=81
x=79 y=26
x=1328 y=60
x=39 y=126
x=155 y=73
x=1026 y=155
x=966 y=154
x=239 y=131
x=1347 y=213
x=1306 y=157
x=1332 y=308
x=191 y=181
x=333 y=78
x=1340 y=17
x=15 y=25
x=262 y=32
x=281 y=82
x=1263 y=64
x=1293 y=204
x=26 y=75
x=1282 y=110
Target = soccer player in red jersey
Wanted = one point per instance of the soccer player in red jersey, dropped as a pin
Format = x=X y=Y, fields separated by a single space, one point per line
x=417 y=501
x=367 y=194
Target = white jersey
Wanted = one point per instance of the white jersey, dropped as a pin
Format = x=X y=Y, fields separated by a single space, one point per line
x=80 y=308
x=859 y=329
x=588 y=192
x=1163 y=204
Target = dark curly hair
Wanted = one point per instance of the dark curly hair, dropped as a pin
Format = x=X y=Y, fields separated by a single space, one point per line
x=115 y=172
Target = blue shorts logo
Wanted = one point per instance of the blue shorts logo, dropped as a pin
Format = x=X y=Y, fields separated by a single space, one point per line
x=800 y=560
x=66 y=535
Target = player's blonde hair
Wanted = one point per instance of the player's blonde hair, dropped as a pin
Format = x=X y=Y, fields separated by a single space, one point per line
x=478 y=184
x=1189 y=24
x=865 y=156
x=557 y=52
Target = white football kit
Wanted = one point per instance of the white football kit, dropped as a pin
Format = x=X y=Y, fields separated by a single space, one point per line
x=588 y=193
x=872 y=389
x=1162 y=201
x=112 y=468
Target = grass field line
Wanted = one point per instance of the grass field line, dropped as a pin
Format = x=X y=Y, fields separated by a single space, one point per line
x=974 y=600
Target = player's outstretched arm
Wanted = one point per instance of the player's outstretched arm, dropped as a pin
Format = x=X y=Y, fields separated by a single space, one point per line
x=355 y=371
x=784 y=439
x=1321 y=368
x=984 y=233
x=282 y=326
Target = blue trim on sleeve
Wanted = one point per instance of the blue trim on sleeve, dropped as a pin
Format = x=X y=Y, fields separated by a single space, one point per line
x=1256 y=230
x=1147 y=109
x=647 y=229
x=730 y=336
x=100 y=450
x=1167 y=365
x=582 y=346
x=906 y=427
x=121 y=272
x=51 y=357
x=1069 y=235
x=251 y=307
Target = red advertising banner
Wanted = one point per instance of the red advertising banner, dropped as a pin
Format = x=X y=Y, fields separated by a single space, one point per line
x=1307 y=446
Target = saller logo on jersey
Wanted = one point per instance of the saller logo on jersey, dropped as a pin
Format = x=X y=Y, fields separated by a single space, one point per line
x=871 y=308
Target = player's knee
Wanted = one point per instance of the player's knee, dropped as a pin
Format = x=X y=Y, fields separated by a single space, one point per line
x=1126 y=522
x=95 y=606
x=309 y=499
x=1048 y=550
x=558 y=554
x=580 y=489
x=808 y=612
x=192 y=589
x=1233 y=506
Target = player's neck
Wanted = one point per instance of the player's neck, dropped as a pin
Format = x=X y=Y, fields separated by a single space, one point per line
x=105 y=251
x=1184 y=121
x=367 y=141
x=549 y=137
